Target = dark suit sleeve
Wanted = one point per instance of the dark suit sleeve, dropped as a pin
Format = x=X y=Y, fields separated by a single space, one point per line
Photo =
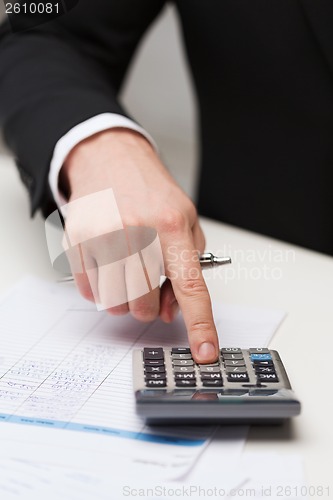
x=61 y=73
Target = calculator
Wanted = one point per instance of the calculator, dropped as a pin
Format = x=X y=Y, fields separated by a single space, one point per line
x=243 y=386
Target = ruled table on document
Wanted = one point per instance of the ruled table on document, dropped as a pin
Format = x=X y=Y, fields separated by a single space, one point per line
x=65 y=365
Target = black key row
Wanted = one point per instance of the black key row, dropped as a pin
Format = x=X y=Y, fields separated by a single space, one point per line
x=155 y=374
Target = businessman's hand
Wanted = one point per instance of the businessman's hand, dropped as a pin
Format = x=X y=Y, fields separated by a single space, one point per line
x=146 y=196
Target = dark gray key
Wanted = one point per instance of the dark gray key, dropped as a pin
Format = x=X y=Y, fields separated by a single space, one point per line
x=209 y=369
x=212 y=383
x=181 y=356
x=183 y=362
x=183 y=369
x=258 y=362
x=155 y=376
x=259 y=350
x=156 y=383
x=154 y=362
x=238 y=377
x=267 y=377
x=180 y=350
x=154 y=369
x=264 y=369
x=185 y=376
x=231 y=350
x=232 y=356
x=234 y=362
x=185 y=383
x=210 y=376
x=153 y=353
x=236 y=369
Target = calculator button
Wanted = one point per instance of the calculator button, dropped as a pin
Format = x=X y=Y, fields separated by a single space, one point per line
x=260 y=357
x=209 y=369
x=185 y=376
x=155 y=376
x=238 y=377
x=153 y=353
x=156 y=383
x=259 y=362
x=264 y=369
x=210 y=364
x=232 y=356
x=231 y=350
x=181 y=362
x=154 y=369
x=185 y=383
x=267 y=377
x=212 y=383
x=211 y=376
x=181 y=356
x=234 y=362
x=236 y=369
x=180 y=350
x=154 y=362
x=259 y=350
x=183 y=369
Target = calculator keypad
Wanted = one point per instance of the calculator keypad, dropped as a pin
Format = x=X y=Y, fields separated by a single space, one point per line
x=235 y=368
x=243 y=386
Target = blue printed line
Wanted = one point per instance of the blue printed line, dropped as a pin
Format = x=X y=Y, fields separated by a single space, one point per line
x=107 y=431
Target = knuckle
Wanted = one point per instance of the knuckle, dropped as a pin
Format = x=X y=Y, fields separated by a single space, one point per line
x=172 y=220
x=193 y=286
x=144 y=313
x=199 y=327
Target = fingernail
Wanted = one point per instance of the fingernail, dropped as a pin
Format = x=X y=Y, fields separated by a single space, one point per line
x=207 y=352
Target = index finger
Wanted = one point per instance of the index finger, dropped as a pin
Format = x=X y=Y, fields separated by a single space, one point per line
x=184 y=271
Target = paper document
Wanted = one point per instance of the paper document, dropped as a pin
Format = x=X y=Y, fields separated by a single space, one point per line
x=264 y=475
x=67 y=367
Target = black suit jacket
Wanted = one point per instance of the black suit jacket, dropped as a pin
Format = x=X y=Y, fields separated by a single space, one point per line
x=263 y=72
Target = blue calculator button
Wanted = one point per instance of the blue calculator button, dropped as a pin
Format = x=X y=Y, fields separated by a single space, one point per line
x=261 y=357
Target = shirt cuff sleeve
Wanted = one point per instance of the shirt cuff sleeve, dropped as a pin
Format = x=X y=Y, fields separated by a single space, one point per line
x=79 y=133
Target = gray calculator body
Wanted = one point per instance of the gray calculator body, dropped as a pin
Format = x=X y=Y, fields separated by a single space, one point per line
x=244 y=386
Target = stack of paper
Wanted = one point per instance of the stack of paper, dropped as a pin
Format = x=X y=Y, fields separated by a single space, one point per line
x=66 y=402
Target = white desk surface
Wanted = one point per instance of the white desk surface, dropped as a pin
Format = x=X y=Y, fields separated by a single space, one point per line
x=301 y=285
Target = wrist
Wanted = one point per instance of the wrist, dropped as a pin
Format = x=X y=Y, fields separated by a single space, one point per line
x=81 y=168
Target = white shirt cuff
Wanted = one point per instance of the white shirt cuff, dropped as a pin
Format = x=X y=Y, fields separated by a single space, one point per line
x=77 y=134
